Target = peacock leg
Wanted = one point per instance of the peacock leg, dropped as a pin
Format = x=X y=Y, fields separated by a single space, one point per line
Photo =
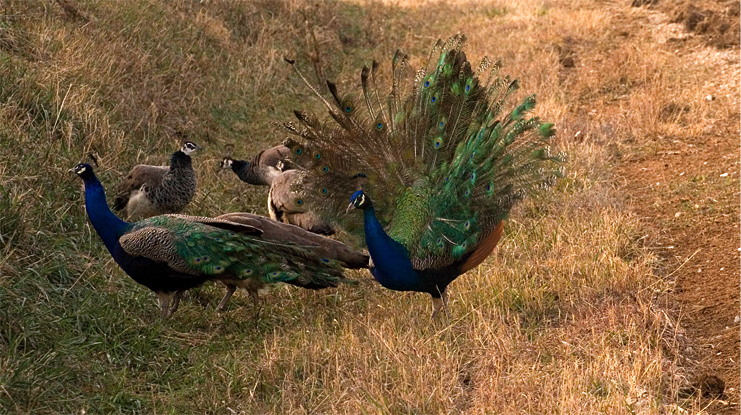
x=255 y=299
x=439 y=303
x=175 y=301
x=230 y=288
x=163 y=299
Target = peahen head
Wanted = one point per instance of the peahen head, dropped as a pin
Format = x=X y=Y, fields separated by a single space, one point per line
x=189 y=148
x=85 y=171
x=228 y=163
x=359 y=200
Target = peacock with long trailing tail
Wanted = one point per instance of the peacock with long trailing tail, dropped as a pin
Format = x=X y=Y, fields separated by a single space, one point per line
x=435 y=165
x=170 y=254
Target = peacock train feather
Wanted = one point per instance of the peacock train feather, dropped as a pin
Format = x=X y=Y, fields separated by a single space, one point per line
x=441 y=159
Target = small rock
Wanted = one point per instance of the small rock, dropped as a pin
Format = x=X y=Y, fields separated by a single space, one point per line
x=724 y=175
x=710 y=98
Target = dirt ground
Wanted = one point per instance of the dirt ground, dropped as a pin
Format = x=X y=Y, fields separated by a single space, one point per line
x=687 y=194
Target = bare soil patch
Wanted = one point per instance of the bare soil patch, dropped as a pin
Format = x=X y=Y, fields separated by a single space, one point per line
x=686 y=190
x=717 y=22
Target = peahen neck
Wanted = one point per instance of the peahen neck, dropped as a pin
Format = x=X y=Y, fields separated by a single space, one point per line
x=393 y=269
x=246 y=174
x=180 y=160
x=108 y=225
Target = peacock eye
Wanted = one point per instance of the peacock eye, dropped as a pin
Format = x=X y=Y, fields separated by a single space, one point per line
x=433 y=99
x=427 y=83
x=324 y=190
x=325 y=169
x=299 y=202
x=379 y=125
x=317 y=156
x=348 y=109
x=299 y=151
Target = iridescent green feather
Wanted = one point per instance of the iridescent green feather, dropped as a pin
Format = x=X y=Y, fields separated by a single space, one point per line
x=446 y=163
x=216 y=252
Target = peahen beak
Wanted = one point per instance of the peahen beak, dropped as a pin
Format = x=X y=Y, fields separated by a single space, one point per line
x=349 y=208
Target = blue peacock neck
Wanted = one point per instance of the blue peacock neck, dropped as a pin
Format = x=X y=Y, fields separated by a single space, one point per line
x=393 y=269
x=108 y=226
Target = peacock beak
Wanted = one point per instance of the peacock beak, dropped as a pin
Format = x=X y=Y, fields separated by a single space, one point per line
x=349 y=208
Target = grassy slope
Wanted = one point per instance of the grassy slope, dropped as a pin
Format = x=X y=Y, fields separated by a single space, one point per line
x=562 y=319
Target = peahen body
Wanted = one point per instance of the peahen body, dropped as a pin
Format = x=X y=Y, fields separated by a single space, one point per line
x=262 y=170
x=440 y=157
x=155 y=190
x=172 y=253
x=267 y=168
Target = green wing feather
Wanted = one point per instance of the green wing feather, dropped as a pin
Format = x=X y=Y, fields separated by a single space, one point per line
x=204 y=249
x=439 y=156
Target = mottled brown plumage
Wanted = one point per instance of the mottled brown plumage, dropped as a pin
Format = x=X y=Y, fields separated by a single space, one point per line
x=282 y=206
x=268 y=168
x=154 y=190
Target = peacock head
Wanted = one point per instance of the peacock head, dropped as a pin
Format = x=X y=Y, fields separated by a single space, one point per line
x=226 y=163
x=84 y=170
x=359 y=200
x=189 y=148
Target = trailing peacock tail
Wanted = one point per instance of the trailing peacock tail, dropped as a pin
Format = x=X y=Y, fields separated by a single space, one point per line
x=443 y=155
x=209 y=247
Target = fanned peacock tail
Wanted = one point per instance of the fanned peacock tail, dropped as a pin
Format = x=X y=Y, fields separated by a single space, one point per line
x=440 y=156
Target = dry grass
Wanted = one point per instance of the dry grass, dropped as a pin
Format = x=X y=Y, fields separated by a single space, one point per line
x=565 y=317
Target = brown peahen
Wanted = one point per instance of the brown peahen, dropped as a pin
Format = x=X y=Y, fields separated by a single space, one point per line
x=268 y=168
x=155 y=190
x=170 y=254
x=262 y=170
x=438 y=160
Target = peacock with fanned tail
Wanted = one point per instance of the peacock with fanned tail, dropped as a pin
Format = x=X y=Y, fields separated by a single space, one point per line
x=435 y=165
x=170 y=254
